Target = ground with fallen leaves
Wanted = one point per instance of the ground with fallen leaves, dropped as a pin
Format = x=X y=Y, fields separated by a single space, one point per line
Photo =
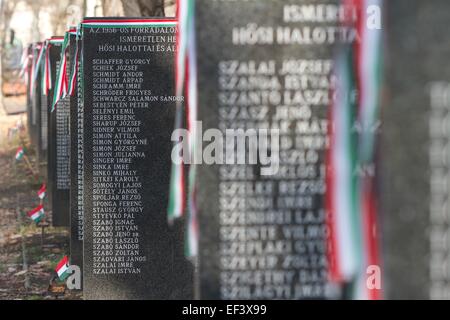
x=28 y=254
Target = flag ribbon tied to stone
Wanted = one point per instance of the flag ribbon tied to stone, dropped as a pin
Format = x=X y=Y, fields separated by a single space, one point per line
x=186 y=82
x=44 y=56
x=39 y=59
x=75 y=63
x=47 y=72
x=350 y=196
x=61 y=85
x=177 y=185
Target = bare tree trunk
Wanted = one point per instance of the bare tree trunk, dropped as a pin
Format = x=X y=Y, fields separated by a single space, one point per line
x=112 y=8
x=58 y=18
x=152 y=8
x=2 y=13
x=8 y=8
x=2 y=27
x=35 y=32
x=131 y=8
x=143 y=8
x=84 y=8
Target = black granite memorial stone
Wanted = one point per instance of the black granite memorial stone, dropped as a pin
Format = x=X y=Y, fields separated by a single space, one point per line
x=39 y=100
x=414 y=151
x=76 y=159
x=130 y=252
x=32 y=122
x=265 y=65
x=29 y=104
x=58 y=145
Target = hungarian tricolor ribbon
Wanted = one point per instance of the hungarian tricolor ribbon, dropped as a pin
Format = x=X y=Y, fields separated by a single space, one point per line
x=61 y=84
x=56 y=40
x=177 y=194
x=40 y=57
x=351 y=185
x=369 y=71
x=75 y=62
x=129 y=22
x=47 y=71
x=186 y=82
x=192 y=107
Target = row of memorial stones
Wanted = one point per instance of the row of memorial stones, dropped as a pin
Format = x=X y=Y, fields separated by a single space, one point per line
x=109 y=146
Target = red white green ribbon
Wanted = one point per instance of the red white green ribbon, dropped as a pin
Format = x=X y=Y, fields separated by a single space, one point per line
x=177 y=183
x=350 y=196
x=369 y=69
x=127 y=23
x=47 y=72
x=61 y=85
x=74 y=69
x=56 y=40
x=186 y=81
x=40 y=58
x=343 y=261
x=192 y=107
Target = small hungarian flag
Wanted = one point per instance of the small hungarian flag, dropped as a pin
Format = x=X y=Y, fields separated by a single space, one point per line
x=62 y=269
x=37 y=213
x=19 y=153
x=41 y=192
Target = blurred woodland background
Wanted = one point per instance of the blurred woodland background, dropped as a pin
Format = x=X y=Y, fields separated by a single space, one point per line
x=33 y=20
x=26 y=21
